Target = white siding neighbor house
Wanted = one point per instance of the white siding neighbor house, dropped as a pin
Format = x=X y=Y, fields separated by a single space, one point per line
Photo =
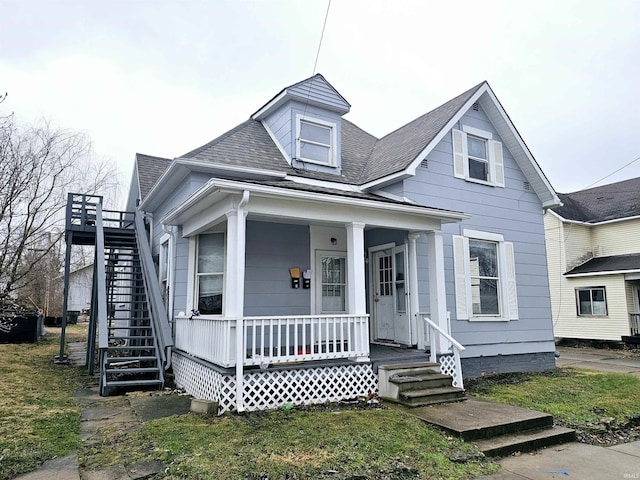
x=296 y=249
x=594 y=263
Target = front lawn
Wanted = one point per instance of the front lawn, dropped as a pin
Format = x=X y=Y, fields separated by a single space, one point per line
x=603 y=407
x=39 y=419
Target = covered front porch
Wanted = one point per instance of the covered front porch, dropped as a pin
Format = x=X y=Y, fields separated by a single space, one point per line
x=285 y=296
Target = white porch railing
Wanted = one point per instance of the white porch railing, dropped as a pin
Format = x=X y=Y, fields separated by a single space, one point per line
x=445 y=350
x=275 y=340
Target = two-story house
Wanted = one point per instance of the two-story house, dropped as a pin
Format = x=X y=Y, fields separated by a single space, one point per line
x=594 y=262
x=296 y=247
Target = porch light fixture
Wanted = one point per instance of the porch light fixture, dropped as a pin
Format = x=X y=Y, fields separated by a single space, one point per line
x=334 y=241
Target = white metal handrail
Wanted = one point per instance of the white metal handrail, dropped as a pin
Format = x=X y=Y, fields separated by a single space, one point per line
x=456 y=347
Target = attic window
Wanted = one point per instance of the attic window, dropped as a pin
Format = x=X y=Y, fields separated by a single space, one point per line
x=315 y=141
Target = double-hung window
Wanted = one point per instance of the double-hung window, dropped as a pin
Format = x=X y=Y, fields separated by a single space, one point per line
x=591 y=301
x=485 y=279
x=164 y=271
x=315 y=141
x=477 y=157
x=210 y=273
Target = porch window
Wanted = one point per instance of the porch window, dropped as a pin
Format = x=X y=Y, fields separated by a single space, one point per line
x=333 y=283
x=485 y=277
x=210 y=273
x=591 y=301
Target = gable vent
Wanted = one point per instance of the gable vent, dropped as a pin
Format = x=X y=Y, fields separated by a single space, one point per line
x=424 y=163
x=527 y=186
x=476 y=107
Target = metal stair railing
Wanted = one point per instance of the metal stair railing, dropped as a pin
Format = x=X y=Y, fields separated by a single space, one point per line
x=157 y=311
x=453 y=368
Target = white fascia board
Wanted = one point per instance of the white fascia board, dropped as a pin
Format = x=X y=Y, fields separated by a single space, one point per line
x=410 y=171
x=171 y=177
x=347 y=187
x=388 y=180
x=276 y=142
x=599 y=274
x=594 y=224
x=555 y=200
x=211 y=167
x=274 y=103
x=391 y=196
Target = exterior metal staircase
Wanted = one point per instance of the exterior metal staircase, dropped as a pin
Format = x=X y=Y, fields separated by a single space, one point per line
x=129 y=332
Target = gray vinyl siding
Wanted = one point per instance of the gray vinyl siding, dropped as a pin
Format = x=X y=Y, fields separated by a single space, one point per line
x=280 y=124
x=271 y=249
x=511 y=211
x=318 y=91
x=181 y=245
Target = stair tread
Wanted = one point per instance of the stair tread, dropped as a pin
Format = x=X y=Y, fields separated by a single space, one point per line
x=122 y=383
x=405 y=366
x=128 y=359
x=421 y=377
x=527 y=440
x=426 y=392
x=132 y=370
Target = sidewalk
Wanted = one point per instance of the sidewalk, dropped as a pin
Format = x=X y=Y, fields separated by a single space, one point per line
x=598 y=359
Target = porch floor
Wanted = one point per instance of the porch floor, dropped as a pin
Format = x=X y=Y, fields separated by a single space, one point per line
x=387 y=355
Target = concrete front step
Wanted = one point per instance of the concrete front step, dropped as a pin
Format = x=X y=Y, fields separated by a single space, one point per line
x=421 y=381
x=496 y=428
x=526 y=441
x=431 y=396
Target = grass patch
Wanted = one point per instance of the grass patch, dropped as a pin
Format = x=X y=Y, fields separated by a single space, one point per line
x=39 y=419
x=296 y=444
x=574 y=396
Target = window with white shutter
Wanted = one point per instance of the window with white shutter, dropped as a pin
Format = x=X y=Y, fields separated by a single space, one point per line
x=477 y=157
x=485 y=277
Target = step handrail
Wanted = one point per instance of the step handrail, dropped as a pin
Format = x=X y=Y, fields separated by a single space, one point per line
x=455 y=370
x=157 y=311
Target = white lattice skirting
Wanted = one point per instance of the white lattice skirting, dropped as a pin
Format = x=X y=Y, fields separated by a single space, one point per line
x=268 y=389
x=448 y=367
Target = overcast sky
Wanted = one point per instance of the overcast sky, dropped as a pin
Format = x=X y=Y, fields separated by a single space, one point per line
x=164 y=77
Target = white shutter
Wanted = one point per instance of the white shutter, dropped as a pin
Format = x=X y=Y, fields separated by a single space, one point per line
x=460 y=166
x=510 y=281
x=462 y=287
x=498 y=163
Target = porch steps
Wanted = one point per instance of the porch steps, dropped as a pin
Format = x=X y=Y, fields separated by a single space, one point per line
x=417 y=384
x=495 y=428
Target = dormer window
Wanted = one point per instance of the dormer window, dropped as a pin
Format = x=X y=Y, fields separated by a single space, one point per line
x=315 y=141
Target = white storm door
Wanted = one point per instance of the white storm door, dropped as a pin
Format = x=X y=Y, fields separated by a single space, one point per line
x=402 y=318
x=383 y=302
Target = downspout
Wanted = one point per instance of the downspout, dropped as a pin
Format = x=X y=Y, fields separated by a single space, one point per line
x=240 y=256
x=172 y=279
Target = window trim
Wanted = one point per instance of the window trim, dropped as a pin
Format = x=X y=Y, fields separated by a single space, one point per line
x=300 y=119
x=318 y=267
x=590 y=289
x=196 y=275
x=507 y=289
x=461 y=157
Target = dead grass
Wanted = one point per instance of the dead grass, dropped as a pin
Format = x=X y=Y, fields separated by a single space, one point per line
x=39 y=419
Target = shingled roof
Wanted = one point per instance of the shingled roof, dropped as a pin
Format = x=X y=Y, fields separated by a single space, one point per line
x=150 y=169
x=397 y=150
x=613 y=263
x=599 y=204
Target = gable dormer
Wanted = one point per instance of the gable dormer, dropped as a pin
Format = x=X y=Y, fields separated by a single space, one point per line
x=304 y=121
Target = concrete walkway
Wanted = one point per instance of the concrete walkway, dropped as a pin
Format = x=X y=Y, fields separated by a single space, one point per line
x=599 y=359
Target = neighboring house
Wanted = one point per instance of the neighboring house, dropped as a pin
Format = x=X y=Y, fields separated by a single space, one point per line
x=80 y=284
x=594 y=262
x=290 y=245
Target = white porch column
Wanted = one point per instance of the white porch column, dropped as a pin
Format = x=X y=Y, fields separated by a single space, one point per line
x=417 y=327
x=233 y=298
x=355 y=269
x=356 y=296
x=437 y=291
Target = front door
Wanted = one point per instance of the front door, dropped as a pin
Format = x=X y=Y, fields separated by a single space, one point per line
x=390 y=296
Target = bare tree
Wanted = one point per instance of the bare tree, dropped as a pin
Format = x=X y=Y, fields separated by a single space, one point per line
x=39 y=165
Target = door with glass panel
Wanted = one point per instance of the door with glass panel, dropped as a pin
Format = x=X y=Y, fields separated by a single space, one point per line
x=390 y=296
